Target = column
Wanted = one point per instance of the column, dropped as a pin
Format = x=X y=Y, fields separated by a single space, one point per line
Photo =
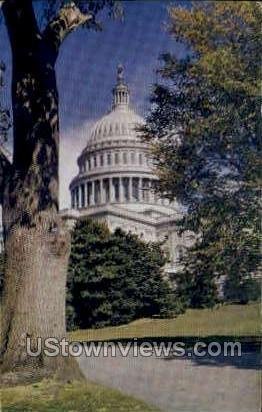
x=77 y=197
x=121 y=190
x=153 y=195
x=154 y=191
x=116 y=183
x=99 y=190
x=150 y=193
x=83 y=204
x=87 y=194
x=111 y=190
x=106 y=191
x=103 y=194
x=72 y=199
x=147 y=191
x=130 y=194
x=92 y=195
x=135 y=194
x=132 y=198
x=139 y=189
x=143 y=190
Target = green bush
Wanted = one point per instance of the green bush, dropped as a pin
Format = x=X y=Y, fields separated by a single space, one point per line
x=114 y=278
x=242 y=292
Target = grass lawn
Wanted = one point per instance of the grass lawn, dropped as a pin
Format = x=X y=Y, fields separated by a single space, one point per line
x=228 y=320
x=49 y=396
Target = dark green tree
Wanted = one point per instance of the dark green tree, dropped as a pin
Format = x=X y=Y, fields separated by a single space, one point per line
x=114 y=278
x=205 y=131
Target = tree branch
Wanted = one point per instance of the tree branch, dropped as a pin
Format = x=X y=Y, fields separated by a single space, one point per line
x=67 y=20
x=21 y=23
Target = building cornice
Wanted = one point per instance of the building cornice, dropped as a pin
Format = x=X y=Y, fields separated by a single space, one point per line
x=114 y=210
x=112 y=173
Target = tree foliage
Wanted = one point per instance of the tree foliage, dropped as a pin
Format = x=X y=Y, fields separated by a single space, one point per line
x=114 y=278
x=205 y=130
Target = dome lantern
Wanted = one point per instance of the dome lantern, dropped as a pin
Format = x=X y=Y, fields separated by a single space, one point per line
x=120 y=91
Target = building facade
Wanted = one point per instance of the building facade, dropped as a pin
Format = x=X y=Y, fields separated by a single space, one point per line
x=116 y=179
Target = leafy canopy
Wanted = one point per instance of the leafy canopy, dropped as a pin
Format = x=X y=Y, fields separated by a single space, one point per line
x=204 y=126
x=47 y=10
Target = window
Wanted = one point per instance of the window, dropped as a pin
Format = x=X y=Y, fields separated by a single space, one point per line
x=140 y=158
x=109 y=159
x=116 y=158
x=95 y=161
x=132 y=157
x=101 y=160
x=125 y=158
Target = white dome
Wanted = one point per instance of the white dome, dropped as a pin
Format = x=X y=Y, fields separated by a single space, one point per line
x=115 y=167
x=121 y=121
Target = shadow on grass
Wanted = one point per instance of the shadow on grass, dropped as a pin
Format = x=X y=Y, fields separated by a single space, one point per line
x=247 y=360
x=249 y=356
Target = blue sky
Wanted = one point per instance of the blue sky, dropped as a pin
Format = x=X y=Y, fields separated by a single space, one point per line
x=86 y=71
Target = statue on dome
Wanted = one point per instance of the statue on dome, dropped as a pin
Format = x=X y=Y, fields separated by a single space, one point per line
x=120 y=73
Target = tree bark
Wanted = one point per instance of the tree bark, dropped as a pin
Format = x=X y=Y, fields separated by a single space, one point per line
x=37 y=243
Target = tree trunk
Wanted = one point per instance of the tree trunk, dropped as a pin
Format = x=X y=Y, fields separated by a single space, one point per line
x=34 y=300
x=37 y=244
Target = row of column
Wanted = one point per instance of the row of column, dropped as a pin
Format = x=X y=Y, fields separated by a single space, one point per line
x=115 y=189
x=114 y=159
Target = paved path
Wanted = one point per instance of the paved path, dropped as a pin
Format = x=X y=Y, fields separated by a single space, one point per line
x=182 y=385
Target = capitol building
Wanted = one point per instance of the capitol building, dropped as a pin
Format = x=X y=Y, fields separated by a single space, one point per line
x=115 y=180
